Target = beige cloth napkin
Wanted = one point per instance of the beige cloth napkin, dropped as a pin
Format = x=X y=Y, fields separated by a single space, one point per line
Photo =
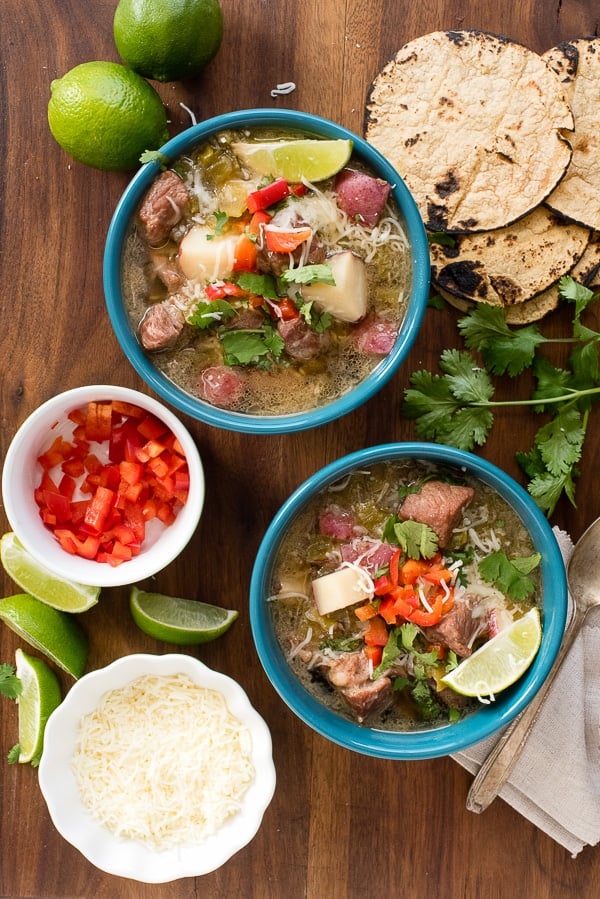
x=556 y=781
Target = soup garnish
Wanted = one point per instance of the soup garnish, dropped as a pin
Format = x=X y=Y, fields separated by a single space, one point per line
x=261 y=295
x=388 y=580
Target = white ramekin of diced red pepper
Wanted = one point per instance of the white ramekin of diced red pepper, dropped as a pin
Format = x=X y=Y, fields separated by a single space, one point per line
x=103 y=485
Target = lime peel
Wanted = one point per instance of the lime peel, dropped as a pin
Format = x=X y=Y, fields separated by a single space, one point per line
x=499 y=662
x=37 y=580
x=177 y=620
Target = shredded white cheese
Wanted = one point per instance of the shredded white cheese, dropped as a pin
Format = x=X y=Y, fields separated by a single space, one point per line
x=163 y=761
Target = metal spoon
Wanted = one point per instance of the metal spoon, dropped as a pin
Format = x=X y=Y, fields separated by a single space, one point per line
x=583 y=574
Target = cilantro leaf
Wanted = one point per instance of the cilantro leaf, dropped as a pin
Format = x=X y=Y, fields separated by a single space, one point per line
x=440 y=414
x=208 y=314
x=221 y=220
x=390 y=653
x=416 y=539
x=577 y=293
x=504 y=350
x=306 y=274
x=560 y=441
x=467 y=382
x=341 y=644
x=249 y=347
x=155 y=156
x=510 y=576
x=13 y=754
x=318 y=321
x=10 y=684
x=261 y=285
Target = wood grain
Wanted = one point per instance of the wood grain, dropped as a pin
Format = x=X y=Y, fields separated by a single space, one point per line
x=340 y=825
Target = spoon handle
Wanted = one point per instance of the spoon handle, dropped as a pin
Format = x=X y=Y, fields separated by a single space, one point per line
x=496 y=768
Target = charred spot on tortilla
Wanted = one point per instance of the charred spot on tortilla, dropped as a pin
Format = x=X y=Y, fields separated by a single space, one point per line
x=512 y=264
x=448 y=186
x=461 y=278
x=475 y=124
x=577 y=65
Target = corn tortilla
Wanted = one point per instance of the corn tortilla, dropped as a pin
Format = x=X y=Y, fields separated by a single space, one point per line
x=509 y=265
x=473 y=122
x=577 y=64
x=586 y=271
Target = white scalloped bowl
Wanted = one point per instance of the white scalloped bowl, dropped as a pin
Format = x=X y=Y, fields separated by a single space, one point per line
x=21 y=474
x=127 y=857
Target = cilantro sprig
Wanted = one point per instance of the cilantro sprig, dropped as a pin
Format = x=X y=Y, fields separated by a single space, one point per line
x=457 y=406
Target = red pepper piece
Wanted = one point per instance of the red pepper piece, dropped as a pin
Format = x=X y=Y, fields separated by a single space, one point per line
x=99 y=509
x=377 y=632
x=245 y=254
x=268 y=195
x=374 y=654
x=218 y=290
x=286 y=241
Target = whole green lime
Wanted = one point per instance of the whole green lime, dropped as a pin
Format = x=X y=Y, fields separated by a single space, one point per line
x=168 y=40
x=105 y=115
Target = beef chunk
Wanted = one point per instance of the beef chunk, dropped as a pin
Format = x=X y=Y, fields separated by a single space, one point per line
x=161 y=325
x=456 y=629
x=349 y=673
x=163 y=207
x=301 y=342
x=438 y=505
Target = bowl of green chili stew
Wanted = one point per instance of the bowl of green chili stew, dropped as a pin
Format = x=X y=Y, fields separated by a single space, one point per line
x=266 y=271
x=389 y=577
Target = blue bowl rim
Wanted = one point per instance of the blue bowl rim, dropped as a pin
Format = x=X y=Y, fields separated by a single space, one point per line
x=443 y=740
x=199 y=409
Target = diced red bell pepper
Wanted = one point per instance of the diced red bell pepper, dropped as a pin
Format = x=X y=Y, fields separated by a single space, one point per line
x=245 y=254
x=377 y=632
x=261 y=217
x=151 y=427
x=86 y=547
x=427 y=619
x=218 y=290
x=366 y=611
x=268 y=195
x=374 y=654
x=280 y=241
x=99 y=509
x=288 y=309
x=146 y=477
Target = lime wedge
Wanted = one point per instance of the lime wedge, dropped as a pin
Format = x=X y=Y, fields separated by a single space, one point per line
x=40 y=695
x=293 y=160
x=175 y=620
x=38 y=581
x=499 y=662
x=56 y=634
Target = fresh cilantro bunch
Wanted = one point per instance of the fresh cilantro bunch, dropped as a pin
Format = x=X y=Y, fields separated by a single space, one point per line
x=456 y=406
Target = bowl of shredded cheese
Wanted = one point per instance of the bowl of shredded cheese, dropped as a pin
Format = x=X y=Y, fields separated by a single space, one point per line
x=157 y=767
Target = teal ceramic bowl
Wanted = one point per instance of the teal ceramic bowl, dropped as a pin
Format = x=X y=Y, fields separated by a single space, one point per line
x=441 y=740
x=222 y=418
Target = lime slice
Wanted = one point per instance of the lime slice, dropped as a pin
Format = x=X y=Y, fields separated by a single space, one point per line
x=175 y=620
x=293 y=160
x=499 y=662
x=40 y=695
x=38 y=581
x=57 y=635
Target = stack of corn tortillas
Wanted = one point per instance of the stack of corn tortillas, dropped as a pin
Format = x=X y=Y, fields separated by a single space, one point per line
x=500 y=149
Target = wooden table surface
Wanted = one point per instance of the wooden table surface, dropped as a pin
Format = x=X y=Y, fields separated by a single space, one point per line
x=340 y=824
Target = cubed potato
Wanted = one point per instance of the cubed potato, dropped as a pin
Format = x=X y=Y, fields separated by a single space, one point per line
x=204 y=259
x=339 y=589
x=347 y=299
